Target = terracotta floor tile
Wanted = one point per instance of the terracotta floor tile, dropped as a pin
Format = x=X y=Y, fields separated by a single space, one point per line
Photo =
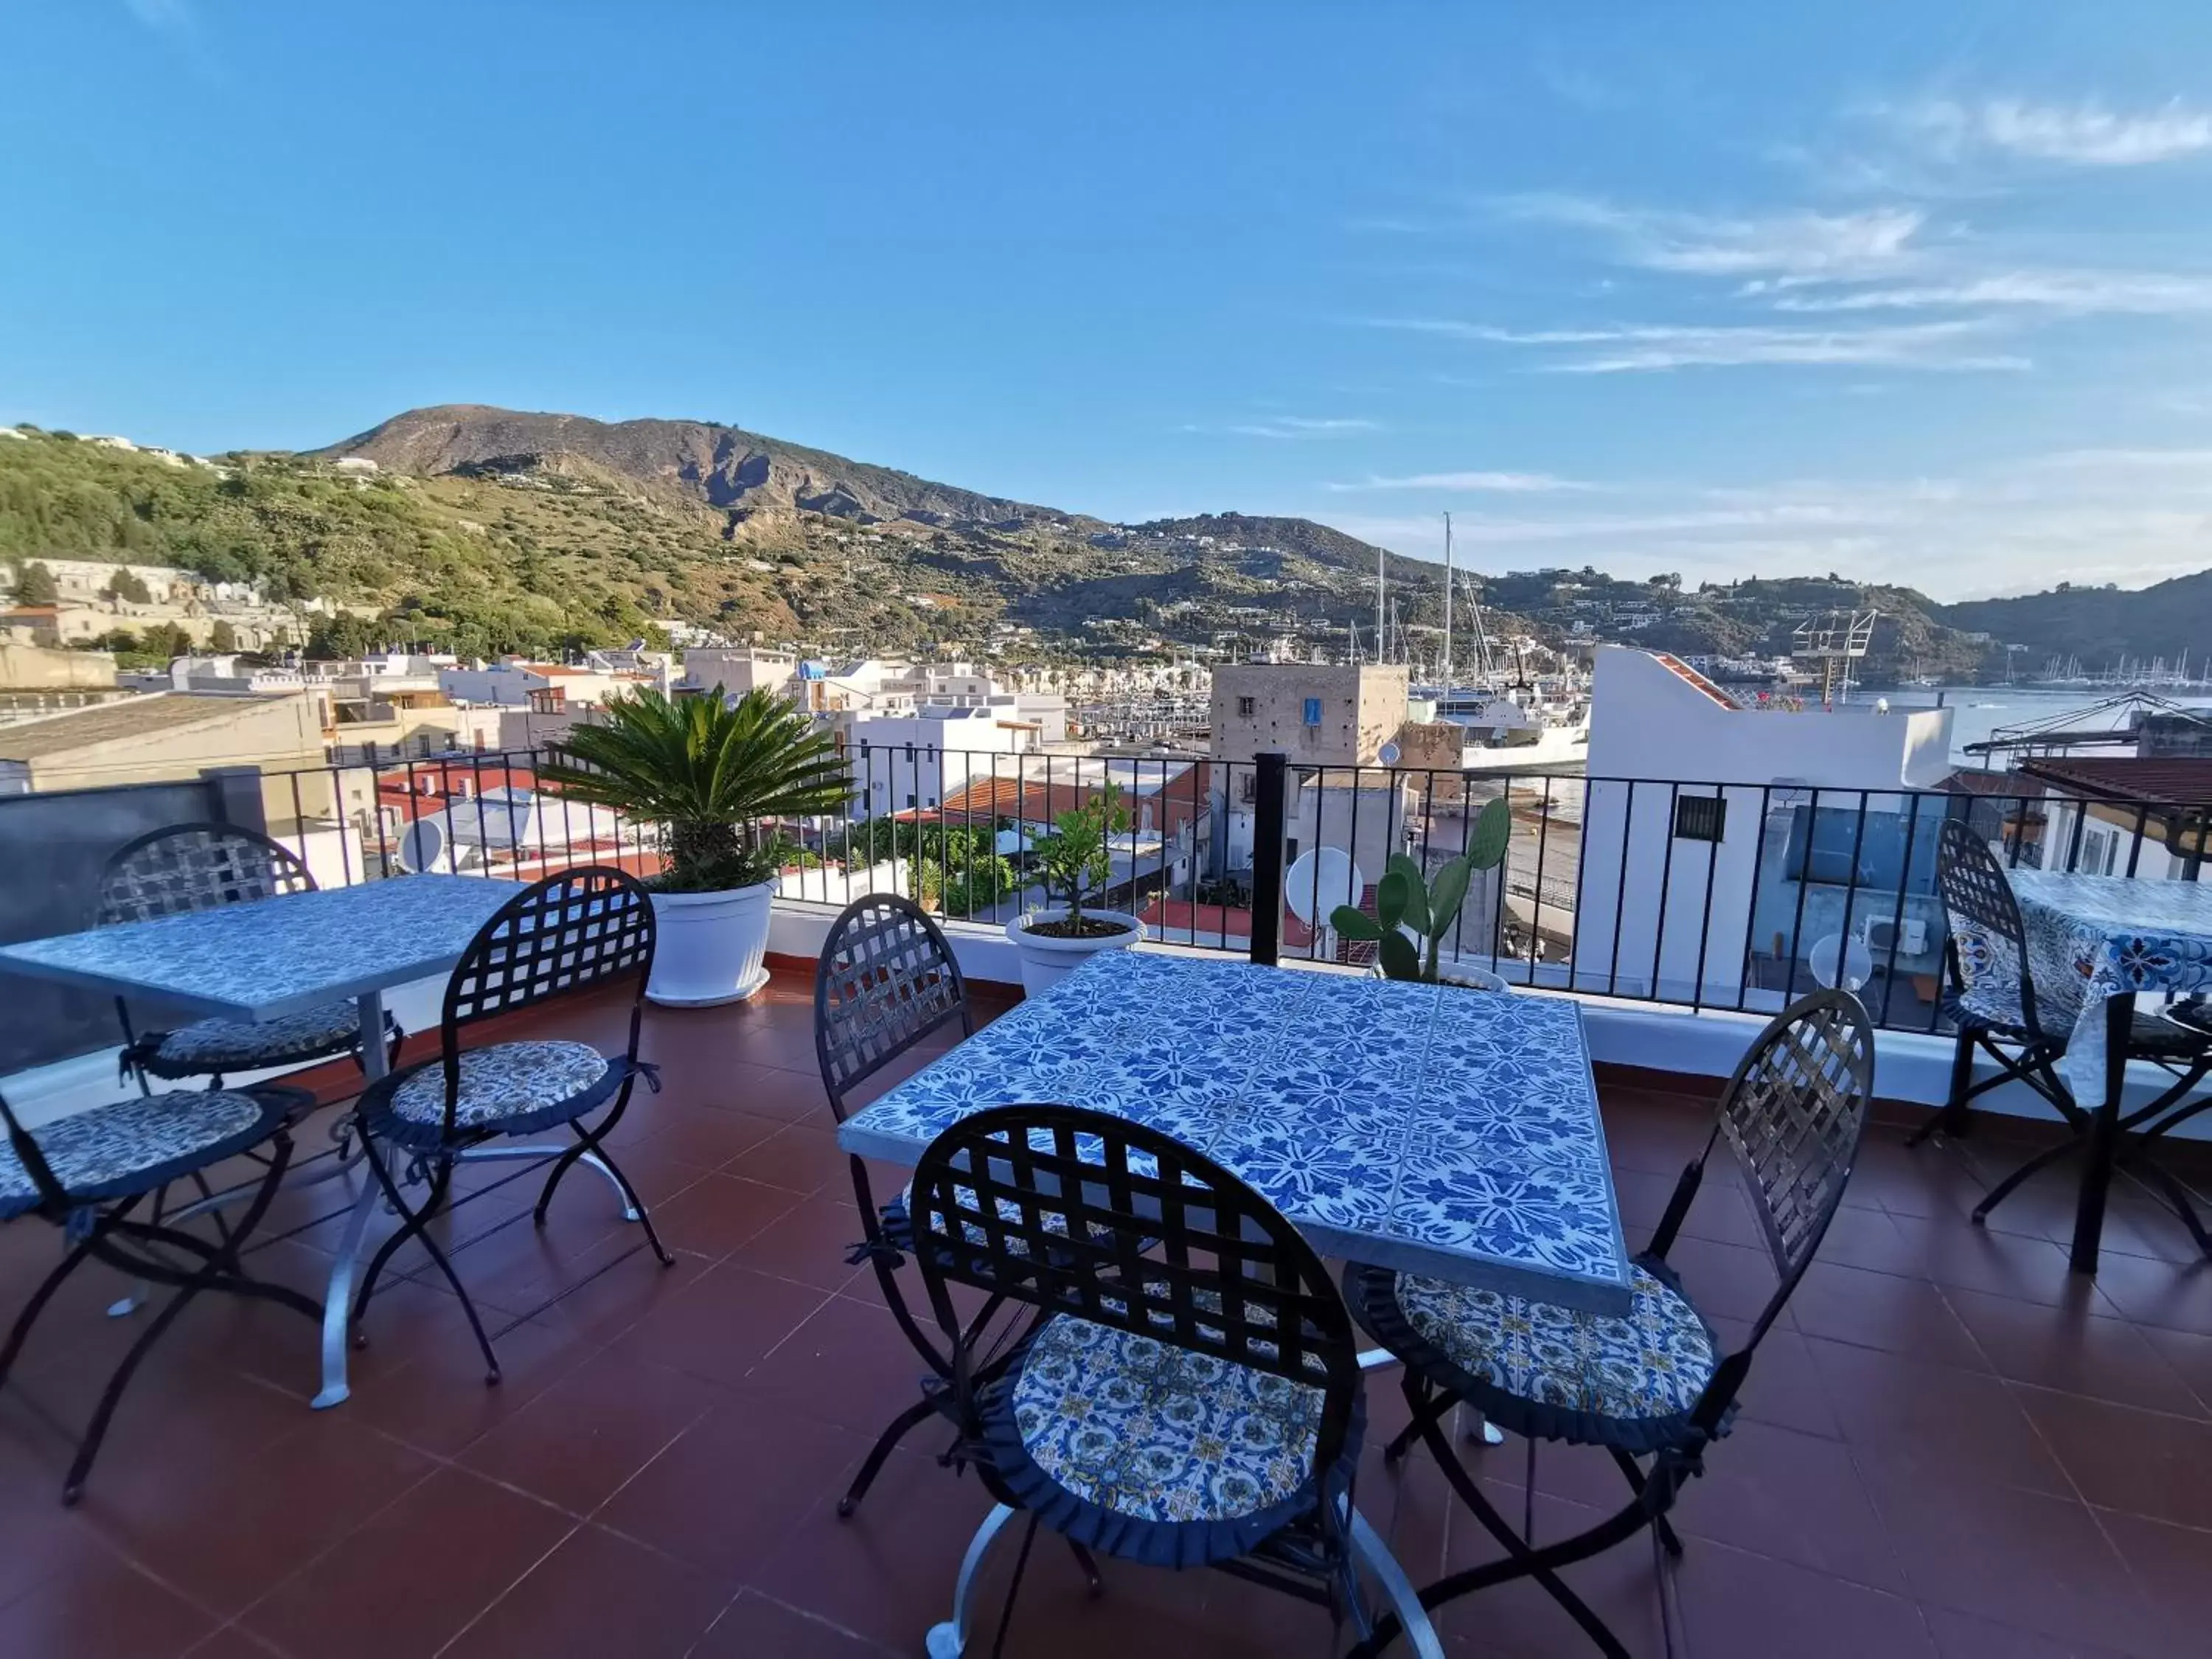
x=719 y=1212
x=1795 y=1497
x=1956 y=1254
x=2140 y=1462
x=580 y=1440
x=103 y=1606
x=753 y=1626
x=1961 y=1636
x=1735 y=1605
x=417 y=1574
x=2066 y=1349
x=682 y=1503
x=799 y=1157
x=2174 y=1566
x=228 y=1537
x=437 y=1399
x=1907 y=1316
x=809 y=1245
x=597 y=1596
x=1784 y=1386
x=719 y=1326
x=1943 y=1423
x=2191 y=1357
x=2158 y=1292
x=2039 y=1563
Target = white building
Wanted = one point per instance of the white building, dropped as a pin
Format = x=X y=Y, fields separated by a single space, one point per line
x=1719 y=840
x=913 y=762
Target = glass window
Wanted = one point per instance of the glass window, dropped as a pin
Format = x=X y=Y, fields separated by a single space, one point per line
x=1840 y=847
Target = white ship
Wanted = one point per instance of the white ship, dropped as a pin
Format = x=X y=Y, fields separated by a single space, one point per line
x=1530 y=734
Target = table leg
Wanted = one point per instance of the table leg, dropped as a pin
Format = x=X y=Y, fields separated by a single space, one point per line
x=338 y=1294
x=2104 y=1134
x=374 y=1062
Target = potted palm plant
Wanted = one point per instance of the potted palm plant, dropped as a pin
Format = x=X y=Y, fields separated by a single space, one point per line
x=711 y=774
x=1075 y=864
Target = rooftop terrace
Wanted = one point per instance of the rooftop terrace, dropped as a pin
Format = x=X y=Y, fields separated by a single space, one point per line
x=1952 y=1450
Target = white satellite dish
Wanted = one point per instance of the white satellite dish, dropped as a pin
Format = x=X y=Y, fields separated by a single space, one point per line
x=422 y=848
x=1321 y=880
x=1857 y=962
x=1389 y=754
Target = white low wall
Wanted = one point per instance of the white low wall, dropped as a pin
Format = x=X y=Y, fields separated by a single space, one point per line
x=1910 y=1065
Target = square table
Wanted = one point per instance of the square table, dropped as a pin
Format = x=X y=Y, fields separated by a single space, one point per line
x=1425 y=1127
x=280 y=956
x=2092 y=943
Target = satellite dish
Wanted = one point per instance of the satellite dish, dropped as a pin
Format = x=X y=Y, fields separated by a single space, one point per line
x=1389 y=753
x=422 y=848
x=1321 y=880
x=1857 y=962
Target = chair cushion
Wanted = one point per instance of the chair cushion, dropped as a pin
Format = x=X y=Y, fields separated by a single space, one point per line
x=502 y=1085
x=237 y=1045
x=1151 y=1451
x=1628 y=1380
x=133 y=1144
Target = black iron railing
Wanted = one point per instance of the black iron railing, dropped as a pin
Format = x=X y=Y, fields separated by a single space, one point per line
x=1696 y=893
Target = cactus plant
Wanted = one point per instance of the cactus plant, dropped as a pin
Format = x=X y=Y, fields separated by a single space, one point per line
x=1413 y=914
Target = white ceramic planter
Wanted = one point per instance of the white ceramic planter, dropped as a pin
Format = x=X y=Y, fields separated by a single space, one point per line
x=710 y=946
x=1046 y=961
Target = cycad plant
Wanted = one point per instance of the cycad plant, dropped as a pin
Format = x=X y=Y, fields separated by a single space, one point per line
x=710 y=774
x=1412 y=914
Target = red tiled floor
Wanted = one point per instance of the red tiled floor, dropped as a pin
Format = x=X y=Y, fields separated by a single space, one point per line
x=1949 y=1447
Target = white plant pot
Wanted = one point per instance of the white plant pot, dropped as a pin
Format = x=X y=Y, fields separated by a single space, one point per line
x=1046 y=961
x=710 y=946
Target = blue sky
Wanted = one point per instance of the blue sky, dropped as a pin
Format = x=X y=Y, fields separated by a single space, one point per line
x=1922 y=293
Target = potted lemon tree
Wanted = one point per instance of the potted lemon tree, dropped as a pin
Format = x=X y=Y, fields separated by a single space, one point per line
x=712 y=774
x=1076 y=865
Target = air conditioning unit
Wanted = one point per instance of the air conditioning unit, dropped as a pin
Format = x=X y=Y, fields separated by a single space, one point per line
x=1908 y=937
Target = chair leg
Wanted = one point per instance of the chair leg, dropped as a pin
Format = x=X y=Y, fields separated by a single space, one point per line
x=2178 y=1200
x=2042 y=1160
x=1952 y=1119
x=949 y=1639
x=1530 y=1561
x=1014 y=1589
x=1663 y=1528
x=417 y=1226
x=587 y=1150
x=921 y=1412
x=1369 y=1549
x=21 y=1330
x=88 y=1448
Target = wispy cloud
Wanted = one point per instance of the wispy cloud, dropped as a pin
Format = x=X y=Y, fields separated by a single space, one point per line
x=2071 y=293
x=1504 y=483
x=1801 y=245
x=1289 y=425
x=2081 y=135
x=1649 y=347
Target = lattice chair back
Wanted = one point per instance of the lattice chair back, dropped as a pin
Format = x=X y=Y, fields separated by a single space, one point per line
x=1793 y=1114
x=196 y=866
x=886 y=980
x=1987 y=950
x=1058 y=1206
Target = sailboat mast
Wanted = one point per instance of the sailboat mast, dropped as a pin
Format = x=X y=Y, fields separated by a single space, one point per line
x=1448 y=608
x=1381 y=619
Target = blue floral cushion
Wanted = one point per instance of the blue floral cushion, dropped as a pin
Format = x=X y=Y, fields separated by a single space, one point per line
x=104 y=1152
x=238 y=1045
x=1158 y=1433
x=504 y=1081
x=1652 y=1362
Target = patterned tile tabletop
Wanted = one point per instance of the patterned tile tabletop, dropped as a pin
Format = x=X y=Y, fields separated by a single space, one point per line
x=1419 y=1127
x=278 y=956
x=2091 y=937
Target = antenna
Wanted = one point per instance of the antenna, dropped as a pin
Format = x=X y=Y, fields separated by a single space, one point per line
x=1834 y=642
x=1382 y=622
x=1448 y=654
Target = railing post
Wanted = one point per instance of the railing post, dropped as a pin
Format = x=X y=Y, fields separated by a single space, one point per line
x=234 y=794
x=1271 y=771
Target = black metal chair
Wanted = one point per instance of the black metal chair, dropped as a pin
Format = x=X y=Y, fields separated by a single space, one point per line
x=203 y=866
x=1654 y=1382
x=1991 y=1001
x=581 y=930
x=1191 y=1396
x=884 y=982
x=87 y=1173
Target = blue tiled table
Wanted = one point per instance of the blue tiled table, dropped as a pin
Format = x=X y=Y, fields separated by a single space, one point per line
x=2094 y=942
x=282 y=956
x=1429 y=1129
